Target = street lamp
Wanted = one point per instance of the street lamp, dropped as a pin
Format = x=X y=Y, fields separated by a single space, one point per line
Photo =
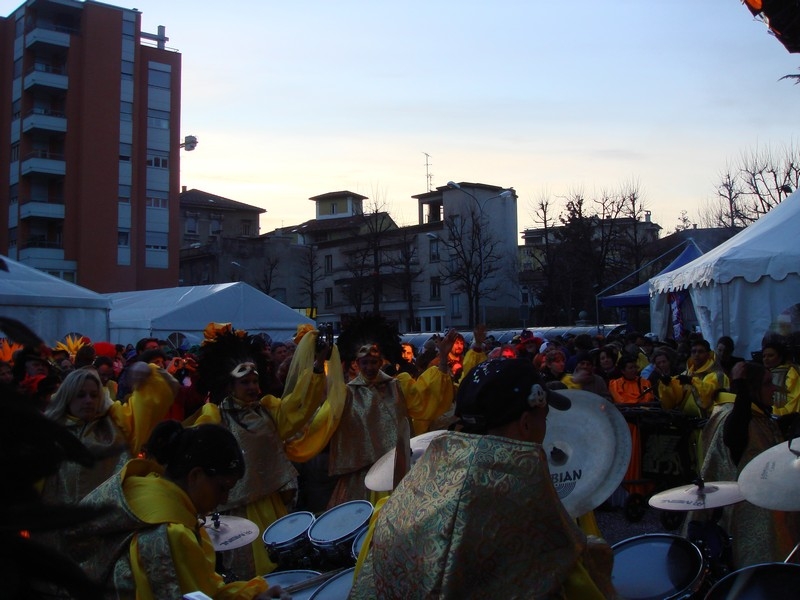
x=189 y=143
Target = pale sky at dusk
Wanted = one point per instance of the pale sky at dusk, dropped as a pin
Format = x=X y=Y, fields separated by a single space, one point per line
x=294 y=99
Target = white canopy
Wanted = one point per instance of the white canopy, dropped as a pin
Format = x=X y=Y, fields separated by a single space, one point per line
x=740 y=287
x=187 y=311
x=50 y=306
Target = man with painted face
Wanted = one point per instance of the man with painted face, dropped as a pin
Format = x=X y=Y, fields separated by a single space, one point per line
x=478 y=516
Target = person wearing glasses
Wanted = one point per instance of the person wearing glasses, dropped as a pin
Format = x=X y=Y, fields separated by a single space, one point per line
x=229 y=373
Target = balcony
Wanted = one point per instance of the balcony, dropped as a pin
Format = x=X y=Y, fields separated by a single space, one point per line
x=37 y=249
x=47 y=76
x=42 y=208
x=43 y=119
x=44 y=162
x=49 y=35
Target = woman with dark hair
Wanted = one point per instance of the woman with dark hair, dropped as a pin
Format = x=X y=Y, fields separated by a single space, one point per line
x=606 y=366
x=739 y=432
x=785 y=376
x=153 y=546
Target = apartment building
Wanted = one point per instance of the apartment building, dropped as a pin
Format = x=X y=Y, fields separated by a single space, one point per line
x=89 y=145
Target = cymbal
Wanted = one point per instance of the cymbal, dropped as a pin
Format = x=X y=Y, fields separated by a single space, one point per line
x=772 y=479
x=588 y=448
x=380 y=477
x=692 y=497
x=228 y=532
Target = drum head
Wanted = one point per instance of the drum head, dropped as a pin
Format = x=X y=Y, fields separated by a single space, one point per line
x=287 y=528
x=656 y=567
x=770 y=581
x=336 y=588
x=340 y=522
x=286 y=578
x=358 y=542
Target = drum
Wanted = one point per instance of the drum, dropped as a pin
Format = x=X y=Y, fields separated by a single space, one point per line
x=336 y=588
x=332 y=534
x=287 y=578
x=769 y=581
x=287 y=543
x=657 y=566
x=359 y=542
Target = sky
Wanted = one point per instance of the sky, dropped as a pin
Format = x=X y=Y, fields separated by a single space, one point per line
x=290 y=100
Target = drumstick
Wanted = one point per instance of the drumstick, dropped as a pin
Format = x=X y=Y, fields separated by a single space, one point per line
x=311 y=581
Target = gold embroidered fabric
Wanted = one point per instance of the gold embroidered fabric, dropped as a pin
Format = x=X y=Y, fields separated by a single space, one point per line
x=477 y=515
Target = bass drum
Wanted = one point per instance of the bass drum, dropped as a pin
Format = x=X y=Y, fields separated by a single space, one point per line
x=769 y=581
x=657 y=566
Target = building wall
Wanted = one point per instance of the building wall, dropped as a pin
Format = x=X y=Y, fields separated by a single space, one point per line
x=91 y=220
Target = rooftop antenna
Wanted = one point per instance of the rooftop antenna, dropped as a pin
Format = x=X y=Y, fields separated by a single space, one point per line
x=428 y=174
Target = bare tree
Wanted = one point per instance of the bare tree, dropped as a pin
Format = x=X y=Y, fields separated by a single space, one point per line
x=405 y=270
x=749 y=188
x=310 y=276
x=268 y=276
x=474 y=259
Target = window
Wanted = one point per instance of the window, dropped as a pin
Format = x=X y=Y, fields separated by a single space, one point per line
x=17 y=68
x=191 y=224
x=246 y=227
x=328 y=296
x=126 y=111
x=158 y=160
x=12 y=237
x=127 y=70
x=455 y=305
x=123 y=238
x=333 y=208
x=436 y=288
x=13 y=193
x=158 y=78
x=124 y=194
x=151 y=202
x=128 y=28
x=14 y=152
x=158 y=119
x=433 y=255
x=15 y=109
x=155 y=240
x=125 y=152
x=328 y=264
x=215 y=227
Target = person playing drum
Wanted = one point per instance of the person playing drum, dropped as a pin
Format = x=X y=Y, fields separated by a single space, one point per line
x=478 y=513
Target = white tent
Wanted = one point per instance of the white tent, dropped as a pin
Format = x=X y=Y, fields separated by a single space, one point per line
x=185 y=311
x=740 y=287
x=50 y=306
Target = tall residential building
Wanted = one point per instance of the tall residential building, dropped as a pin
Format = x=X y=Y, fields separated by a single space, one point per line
x=89 y=145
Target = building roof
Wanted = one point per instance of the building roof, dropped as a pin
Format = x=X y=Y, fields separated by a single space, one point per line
x=202 y=199
x=341 y=194
x=337 y=224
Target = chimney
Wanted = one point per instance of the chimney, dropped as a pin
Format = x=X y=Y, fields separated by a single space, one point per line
x=183 y=189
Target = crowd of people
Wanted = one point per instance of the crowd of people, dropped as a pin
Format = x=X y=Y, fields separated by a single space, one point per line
x=257 y=429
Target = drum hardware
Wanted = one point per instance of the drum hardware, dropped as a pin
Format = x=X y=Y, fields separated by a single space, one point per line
x=228 y=532
x=588 y=448
x=789 y=559
x=286 y=541
x=380 y=477
x=772 y=479
x=776 y=581
x=698 y=495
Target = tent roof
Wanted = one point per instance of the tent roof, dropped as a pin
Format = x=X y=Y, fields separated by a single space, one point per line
x=766 y=248
x=21 y=285
x=640 y=295
x=186 y=309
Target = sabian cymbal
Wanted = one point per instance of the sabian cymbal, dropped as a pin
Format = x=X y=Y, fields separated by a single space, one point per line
x=227 y=532
x=697 y=496
x=588 y=448
x=380 y=477
x=772 y=479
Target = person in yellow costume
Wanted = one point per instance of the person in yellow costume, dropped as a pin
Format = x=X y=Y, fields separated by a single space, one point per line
x=368 y=416
x=785 y=376
x=229 y=372
x=478 y=515
x=113 y=431
x=152 y=545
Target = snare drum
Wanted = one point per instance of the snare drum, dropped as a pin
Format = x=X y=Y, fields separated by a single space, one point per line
x=287 y=578
x=287 y=543
x=770 y=581
x=657 y=566
x=332 y=534
x=359 y=542
x=336 y=588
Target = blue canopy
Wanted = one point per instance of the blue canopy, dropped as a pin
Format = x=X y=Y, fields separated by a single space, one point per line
x=640 y=295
